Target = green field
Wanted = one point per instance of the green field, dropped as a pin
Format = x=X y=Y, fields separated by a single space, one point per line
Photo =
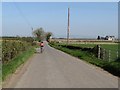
x=106 y=46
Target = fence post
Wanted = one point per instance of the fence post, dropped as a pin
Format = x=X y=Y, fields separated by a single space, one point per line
x=117 y=54
x=98 y=51
x=109 y=55
x=103 y=54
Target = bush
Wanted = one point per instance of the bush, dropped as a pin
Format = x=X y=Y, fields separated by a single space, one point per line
x=12 y=48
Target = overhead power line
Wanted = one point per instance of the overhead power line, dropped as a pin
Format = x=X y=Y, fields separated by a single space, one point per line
x=22 y=15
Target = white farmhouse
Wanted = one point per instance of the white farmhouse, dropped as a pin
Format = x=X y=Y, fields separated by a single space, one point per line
x=110 y=38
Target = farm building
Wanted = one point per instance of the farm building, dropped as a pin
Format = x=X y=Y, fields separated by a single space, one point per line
x=110 y=38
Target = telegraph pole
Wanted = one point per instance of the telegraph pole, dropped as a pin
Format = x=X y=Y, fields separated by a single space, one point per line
x=32 y=33
x=32 y=30
x=68 y=29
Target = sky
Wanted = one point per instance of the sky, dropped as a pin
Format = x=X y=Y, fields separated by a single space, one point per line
x=87 y=19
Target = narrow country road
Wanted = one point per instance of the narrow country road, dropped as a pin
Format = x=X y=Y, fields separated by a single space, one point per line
x=55 y=69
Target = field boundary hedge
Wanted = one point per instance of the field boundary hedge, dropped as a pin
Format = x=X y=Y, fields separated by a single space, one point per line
x=15 y=51
x=11 y=67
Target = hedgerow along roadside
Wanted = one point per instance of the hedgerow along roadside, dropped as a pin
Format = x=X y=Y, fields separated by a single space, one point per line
x=113 y=67
x=11 y=67
x=15 y=53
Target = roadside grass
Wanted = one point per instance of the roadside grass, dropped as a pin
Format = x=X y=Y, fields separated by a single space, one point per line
x=112 y=67
x=11 y=67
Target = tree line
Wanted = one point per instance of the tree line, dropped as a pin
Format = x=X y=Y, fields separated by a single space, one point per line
x=41 y=35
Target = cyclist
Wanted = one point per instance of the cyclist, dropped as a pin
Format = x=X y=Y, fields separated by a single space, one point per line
x=41 y=46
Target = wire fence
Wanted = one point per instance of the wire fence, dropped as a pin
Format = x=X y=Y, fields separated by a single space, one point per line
x=105 y=54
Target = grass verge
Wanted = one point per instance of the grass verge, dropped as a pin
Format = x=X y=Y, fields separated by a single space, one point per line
x=113 y=67
x=11 y=67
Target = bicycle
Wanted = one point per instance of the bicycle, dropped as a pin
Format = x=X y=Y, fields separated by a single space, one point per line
x=41 y=49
